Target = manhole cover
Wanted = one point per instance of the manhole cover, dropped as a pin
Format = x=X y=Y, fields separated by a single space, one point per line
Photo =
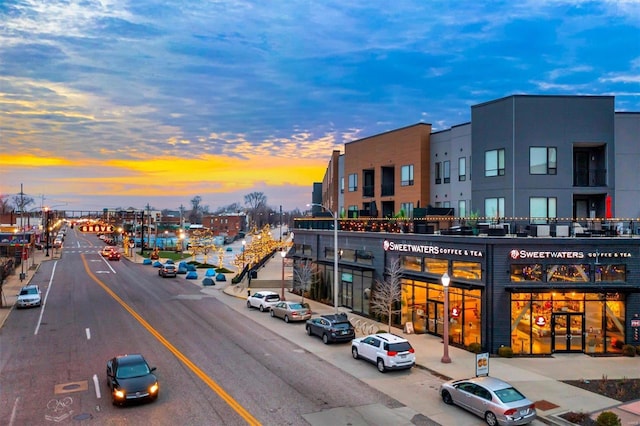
x=83 y=416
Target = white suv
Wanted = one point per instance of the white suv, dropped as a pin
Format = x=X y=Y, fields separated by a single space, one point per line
x=388 y=351
x=263 y=300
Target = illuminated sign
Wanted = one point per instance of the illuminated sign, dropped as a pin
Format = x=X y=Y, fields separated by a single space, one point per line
x=516 y=254
x=455 y=312
x=430 y=249
x=540 y=321
x=96 y=228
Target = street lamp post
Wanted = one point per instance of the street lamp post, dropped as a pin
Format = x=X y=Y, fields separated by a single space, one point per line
x=445 y=284
x=335 y=252
x=283 y=253
x=46 y=232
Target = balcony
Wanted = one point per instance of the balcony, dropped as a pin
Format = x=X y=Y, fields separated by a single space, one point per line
x=590 y=177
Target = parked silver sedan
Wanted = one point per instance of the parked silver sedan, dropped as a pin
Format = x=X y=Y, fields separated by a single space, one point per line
x=291 y=311
x=496 y=401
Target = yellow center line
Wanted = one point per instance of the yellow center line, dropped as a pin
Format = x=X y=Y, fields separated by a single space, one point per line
x=196 y=370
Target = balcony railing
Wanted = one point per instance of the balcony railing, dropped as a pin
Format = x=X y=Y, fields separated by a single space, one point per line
x=493 y=227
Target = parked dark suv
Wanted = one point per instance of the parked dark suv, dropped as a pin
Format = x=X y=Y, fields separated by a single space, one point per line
x=331 y=328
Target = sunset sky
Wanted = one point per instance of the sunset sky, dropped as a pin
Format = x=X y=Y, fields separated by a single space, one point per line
x=120 y=103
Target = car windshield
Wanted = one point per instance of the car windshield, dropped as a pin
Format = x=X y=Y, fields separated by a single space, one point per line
x=342 y=325
x=509 y=395
x=400 y=347
x=26 y=291
x=133 y=370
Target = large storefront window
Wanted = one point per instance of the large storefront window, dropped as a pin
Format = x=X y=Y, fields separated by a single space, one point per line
x=423 y=305
x=545 y=323
x=435 y=266
x=568 y=273
x=471 y=271
x=411 y=263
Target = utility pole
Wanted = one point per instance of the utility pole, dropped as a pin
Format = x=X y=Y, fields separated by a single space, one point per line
x=148 y=225
x=141 y=231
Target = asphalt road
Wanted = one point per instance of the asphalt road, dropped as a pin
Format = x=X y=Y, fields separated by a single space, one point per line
x=214 y=366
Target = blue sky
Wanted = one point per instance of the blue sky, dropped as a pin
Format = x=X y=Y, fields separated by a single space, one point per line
x=120 y=103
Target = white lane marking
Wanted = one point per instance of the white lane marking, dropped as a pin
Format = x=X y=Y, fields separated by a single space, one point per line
x=88 y=333
x=14 y=411
x=108 y=264
x=97 y=385
x=46 y=296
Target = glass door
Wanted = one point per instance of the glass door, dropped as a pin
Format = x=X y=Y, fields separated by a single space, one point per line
x=435 y=319
x=568 y=332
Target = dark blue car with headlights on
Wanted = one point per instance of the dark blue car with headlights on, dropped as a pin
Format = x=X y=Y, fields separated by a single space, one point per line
x=131 y=379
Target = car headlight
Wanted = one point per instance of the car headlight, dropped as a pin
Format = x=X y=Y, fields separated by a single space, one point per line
x=154 y=388
x=118 y=393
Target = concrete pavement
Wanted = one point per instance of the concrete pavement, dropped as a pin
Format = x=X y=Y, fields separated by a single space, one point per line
x=538 y=378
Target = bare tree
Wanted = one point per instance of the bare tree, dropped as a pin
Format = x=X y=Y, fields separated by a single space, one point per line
x=5 y=205
x=306 y=274
x=195 y=215
x=255 y=201
x=388 y=292
x=22 y=202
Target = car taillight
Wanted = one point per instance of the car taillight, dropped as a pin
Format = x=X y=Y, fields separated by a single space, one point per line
x=510 y=412
x=392 y=353
x=411 y=351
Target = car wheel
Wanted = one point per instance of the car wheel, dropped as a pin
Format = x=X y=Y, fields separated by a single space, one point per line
x=261 y=308
x=308 y=331
x=446 y=397
x=286 y=318
x=273 y=314
x=325 y=339
x=354 y=352
x=249 y=305
x=490 y=418
x=380 y=365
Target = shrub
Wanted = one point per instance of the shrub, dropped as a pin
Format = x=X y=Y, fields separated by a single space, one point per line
x=629 y=350
x=607 y=418
x=474 y=347
x=505 y=351
x=637 y=350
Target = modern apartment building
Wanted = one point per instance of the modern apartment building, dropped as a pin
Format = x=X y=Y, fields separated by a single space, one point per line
x=539 y=157
x=552 y=164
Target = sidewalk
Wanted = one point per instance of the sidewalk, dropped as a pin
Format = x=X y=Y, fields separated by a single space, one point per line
x=540 y=378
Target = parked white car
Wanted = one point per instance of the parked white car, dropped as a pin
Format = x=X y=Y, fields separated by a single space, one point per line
x=387 y=351
x=263 y=300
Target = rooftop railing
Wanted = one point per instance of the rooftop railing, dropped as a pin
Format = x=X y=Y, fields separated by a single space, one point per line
x=482 y=226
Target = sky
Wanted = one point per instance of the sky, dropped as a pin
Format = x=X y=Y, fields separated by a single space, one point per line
x=124 y=103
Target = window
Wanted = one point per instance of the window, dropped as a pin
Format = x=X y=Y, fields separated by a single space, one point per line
x=353 y=182
x=407 y=208
x=542 y=208
x=352 y=212
x=462 y=169
x=447 y=171
x=462 y=208
x=568 y=273
x=494 y=207
x=438 y=171
x=406 y=178
x=542 y=161
x=494 y=163
x=611 y=272
x=342 y=185
x=467 y=270
x=528 y=272
x=412 y=263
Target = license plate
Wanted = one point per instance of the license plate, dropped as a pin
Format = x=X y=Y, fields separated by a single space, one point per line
x=524 y=412
x=403 y=356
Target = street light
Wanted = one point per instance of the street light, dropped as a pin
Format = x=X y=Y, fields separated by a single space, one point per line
x=445 y=284
x=46 y=231
x=283 y=253
x=335 y=252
